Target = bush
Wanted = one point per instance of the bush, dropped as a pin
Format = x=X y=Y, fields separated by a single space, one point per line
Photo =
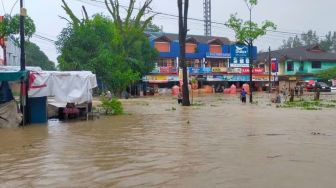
x=113 y=106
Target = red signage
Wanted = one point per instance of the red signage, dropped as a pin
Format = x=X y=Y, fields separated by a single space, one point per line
x=246 y=70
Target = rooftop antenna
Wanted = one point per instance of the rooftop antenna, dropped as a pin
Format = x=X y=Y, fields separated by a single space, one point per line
x=207 y=17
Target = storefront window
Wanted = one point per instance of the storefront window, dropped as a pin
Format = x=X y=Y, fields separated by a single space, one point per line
x=217 y=62
x=166 y=62
x=193 y=63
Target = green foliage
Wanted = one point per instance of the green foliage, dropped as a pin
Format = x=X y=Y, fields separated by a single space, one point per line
x=252 y=2
x=97 y=45
x=113 y=106
x=311 y=38
x=11 y=26
x=327 y=74
x=35 y=57
x=153 y=28
x=307 y=105
x=248 y=30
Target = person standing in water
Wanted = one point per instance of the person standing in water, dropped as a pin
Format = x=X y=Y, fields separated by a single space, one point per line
x=179 y=97
x=243 y=94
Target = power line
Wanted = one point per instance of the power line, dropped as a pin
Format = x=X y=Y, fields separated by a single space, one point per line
x=44 y=38
x=3 y=6
x=202 y=20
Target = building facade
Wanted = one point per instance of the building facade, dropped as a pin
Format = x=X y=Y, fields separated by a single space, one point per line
x=211 y=61
x=295 y=65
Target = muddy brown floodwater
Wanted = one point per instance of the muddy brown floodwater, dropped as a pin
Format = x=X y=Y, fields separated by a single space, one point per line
x=216 y=143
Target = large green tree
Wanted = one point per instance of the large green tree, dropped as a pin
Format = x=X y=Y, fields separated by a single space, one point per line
x=11 y=26
x=327 y=43
x=246 y=30
x=118 y=53
x=327 y=74
x=35 y=57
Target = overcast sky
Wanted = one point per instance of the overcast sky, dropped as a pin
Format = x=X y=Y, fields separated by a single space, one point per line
x=289 y=15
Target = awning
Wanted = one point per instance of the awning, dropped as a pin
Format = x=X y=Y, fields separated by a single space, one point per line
x=13 y=76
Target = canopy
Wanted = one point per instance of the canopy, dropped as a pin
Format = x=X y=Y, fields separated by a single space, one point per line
x=67 y=87
x=13 y=76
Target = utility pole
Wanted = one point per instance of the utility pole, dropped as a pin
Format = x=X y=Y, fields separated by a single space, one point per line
x=23 y=96
x=183 y=30
x=269 y=69
x=251 y=58
x=22 y=37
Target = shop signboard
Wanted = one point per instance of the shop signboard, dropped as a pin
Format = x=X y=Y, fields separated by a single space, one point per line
x=292 y=78
x=218 y=55
x=234 y=70
x=262 y=78
x=206 y=70
x=219 y=69
x=254 y=70
x=173 y=78
x=239 y=51
x=167 y=70
x=228 y=78
x=275 y=65
x=197 y=70
x=156 y=70
x=239 y=62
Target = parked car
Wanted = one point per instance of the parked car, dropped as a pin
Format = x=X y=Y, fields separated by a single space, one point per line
x=321 y=85
x=333 y=88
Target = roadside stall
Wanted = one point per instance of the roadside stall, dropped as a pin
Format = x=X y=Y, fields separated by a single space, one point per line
x=10 y=115
x=70 y=92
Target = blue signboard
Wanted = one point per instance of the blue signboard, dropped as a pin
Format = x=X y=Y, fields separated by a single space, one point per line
x=239 y=51
x=218 y=55
x=205 y=70
x=229 y=78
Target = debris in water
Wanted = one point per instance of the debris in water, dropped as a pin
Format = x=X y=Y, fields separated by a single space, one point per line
x=272 y=157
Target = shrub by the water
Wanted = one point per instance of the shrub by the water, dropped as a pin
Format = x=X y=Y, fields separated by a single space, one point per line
x=113 y=106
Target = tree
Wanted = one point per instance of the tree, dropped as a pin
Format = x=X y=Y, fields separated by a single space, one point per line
x=118 y=53
x=35 y=57
x=153 y=28
x=310 y=38
x=327 y=74
x=247 y=31
x=292 y=43
x=329 y=43
x=11 y=26
x=183 y=30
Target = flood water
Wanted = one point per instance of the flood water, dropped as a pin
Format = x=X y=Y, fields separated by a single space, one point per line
x=216 y=143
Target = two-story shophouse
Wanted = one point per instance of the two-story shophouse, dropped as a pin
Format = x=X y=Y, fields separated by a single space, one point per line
x=298 y=64
x=210 y=60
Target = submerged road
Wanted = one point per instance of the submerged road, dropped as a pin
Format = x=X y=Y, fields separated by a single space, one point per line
x=216 y=143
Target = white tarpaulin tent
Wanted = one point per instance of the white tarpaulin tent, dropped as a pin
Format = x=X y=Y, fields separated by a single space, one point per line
x=67 y=87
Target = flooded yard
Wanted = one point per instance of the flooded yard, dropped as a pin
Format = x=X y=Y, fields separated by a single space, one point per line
x=218 y=142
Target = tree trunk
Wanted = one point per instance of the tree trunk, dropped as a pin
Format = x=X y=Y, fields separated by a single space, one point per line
x=183 y=29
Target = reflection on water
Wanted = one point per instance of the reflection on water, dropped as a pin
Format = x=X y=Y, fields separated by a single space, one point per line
x=218 y=144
